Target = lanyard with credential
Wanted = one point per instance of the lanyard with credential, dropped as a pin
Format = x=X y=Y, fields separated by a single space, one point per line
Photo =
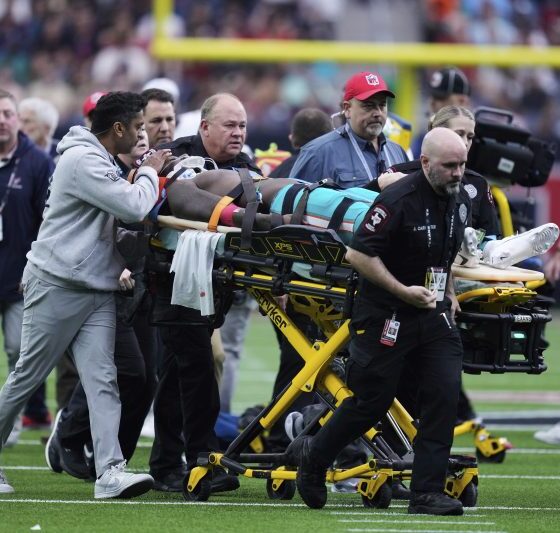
x=359 y=153
x=9 y=187
x=447 y=238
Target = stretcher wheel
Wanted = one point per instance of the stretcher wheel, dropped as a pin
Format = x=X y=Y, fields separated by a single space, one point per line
x=381 y=499
x=201 y=492
x=469 y=496
x=495 y=458
x=286 y=491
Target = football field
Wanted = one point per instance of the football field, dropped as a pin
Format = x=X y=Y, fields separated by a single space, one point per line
x=522 y=494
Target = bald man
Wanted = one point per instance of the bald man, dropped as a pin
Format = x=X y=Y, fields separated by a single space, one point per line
x=402 y=316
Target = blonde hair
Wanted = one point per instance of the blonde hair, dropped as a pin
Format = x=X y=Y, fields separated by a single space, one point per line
x=443 y=117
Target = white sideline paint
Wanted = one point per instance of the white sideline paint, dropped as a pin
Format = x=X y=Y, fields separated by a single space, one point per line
x=248 y=504
x=481 y=476
x=468 y=510
x=411 y=519
x=425 y=530
x=522 y=451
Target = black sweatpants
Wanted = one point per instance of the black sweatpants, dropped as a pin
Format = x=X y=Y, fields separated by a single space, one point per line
x=187 y=396
x=433 y=347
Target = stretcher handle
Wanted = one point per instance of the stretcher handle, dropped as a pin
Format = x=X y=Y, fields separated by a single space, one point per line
x=169 y=221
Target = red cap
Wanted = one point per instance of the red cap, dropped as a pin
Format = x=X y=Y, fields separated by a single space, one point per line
x=364 y=85
x=90 y=102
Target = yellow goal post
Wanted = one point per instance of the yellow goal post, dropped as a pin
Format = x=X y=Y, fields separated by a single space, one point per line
x=405 y=56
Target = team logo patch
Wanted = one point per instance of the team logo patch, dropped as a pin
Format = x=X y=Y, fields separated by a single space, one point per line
x=112 y=175
x=377 y=219
x=372 y=79
x=471 y=190
x=463 y=211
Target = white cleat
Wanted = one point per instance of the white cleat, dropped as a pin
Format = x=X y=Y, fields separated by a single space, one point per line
x=5 y=487
x=116 y=483
x=516 y=248
x=469 y=254
x=550 y=436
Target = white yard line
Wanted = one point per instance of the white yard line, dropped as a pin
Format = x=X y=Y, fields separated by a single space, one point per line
x=520 y=451
x=425 y=530
x=246 y=504
x=481 y=476
x=412 y=518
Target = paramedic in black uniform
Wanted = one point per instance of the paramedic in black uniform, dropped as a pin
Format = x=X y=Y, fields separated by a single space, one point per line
x=403 y=315
x=187 y=371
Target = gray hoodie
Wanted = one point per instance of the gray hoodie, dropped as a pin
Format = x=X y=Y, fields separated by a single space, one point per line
x=76 y=244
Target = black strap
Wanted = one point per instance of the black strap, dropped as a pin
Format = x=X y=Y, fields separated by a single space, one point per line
x=236 y=192
x=250 y=209
x=290 y=197
x=338 y=215
x=299 y=211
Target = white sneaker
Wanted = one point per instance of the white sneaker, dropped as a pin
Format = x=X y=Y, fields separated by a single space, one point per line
x=345 y=486
x=469 y=254
x=550 y=436
x=516 y=248
x=5 y=487
x=293 y=425
x=116 y=483
x=13 y=437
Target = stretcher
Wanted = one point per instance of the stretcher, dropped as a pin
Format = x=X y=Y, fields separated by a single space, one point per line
x=308 y=265
x=502 y=321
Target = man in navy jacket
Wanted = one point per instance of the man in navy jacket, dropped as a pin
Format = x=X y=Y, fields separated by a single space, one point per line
x=24 y=179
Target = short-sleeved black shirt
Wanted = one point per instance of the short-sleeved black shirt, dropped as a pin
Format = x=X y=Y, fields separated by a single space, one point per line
x=410 y=228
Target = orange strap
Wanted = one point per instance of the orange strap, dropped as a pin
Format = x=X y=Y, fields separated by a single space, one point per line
x=215 y=216
x=131 y=175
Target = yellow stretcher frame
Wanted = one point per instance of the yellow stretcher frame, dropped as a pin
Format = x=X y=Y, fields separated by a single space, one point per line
x=316 y=375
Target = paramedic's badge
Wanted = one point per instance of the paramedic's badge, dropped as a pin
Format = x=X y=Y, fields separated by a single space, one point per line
x=471 y=190
x=112 y=175
x=378 y=217
x=463 y=213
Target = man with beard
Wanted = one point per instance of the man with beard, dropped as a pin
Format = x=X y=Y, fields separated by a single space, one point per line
x=402 y=316
x=356 y=153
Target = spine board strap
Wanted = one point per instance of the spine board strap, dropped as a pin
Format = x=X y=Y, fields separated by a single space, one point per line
x=299 y=210
x=252 y=205
x=338 y=216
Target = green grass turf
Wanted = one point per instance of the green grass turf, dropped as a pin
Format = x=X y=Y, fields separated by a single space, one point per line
x=521 y=495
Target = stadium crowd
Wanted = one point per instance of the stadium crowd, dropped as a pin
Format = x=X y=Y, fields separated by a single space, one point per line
x=105 y=46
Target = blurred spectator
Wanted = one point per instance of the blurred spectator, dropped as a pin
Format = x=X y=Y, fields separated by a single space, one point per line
x=39 y=118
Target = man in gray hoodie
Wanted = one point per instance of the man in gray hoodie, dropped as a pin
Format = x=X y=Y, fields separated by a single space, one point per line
x=72 y=270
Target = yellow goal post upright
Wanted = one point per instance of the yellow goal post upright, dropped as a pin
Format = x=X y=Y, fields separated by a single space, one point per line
x=407 y=57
